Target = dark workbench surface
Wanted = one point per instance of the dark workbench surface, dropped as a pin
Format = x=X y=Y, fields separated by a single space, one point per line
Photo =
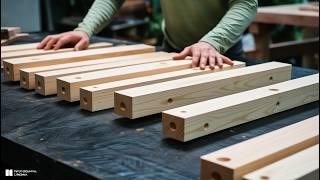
x=59 y=140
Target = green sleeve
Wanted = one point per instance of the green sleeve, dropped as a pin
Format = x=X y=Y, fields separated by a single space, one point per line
x=99 y=15
x=232 y=25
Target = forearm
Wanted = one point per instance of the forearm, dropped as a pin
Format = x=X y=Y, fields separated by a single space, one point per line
x=99 y=15
x=232 y=25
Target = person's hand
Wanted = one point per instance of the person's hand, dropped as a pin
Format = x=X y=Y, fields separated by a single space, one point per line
x=78 y=39
x=204 y=54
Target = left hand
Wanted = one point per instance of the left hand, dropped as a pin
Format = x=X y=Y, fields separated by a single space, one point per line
x=204 y=54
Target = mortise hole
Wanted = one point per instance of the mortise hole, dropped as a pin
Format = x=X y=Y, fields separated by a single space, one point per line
x=224 y=159
x=274 y=89
x=170 y=100
x=63 y=90
x=39 y=85
x=78 y=77
x=123 y=106
x=215 y=176
x=173 y=126
x=206 y=126
x=271 y=78
x=264 y=177
x=85 y=101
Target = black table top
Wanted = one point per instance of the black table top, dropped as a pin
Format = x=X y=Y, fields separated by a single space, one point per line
x=59 y=140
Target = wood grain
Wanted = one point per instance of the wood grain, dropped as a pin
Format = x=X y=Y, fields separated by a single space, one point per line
x=152 y=99
x=101 y=96
x=301 y=165
x=27 y=75
x=235 y=161
x=19 y=47
x=12 y=66
x=214 y=115
x=68 y=87
x=49 y=85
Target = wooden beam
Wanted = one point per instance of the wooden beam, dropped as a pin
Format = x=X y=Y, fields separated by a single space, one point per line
x=235 y=161
x=46 y=81
x=301 y=165
x=35 y=52
x=200 y=119
x=12 y=66
x=68 y=87
x=8 y=32
x=27 y=75
x=101 y=96
x=5 y=42
x=146 y=100
x=19 y=47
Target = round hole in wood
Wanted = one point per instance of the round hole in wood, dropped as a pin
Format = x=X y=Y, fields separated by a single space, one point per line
x=215 y=176
x=63 y=90
x=95 y=87
x=278 y=103
x=183 y=111
x=39 y=85
x=24 y=81
x=271 y=78
x=85 y=101
x=206 y=126
x=274 y=89
x=7 y=70
x=123 y=107
x=78 y=77
x=264 y=177
x=170 y=100
x=173 y=126
x=224 y=159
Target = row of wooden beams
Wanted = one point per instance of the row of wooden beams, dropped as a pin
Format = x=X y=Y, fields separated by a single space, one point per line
x=13 y=66
x=27 y=75
x=302 y=165
x=200 y=119
x=35 y=51
x=46 y=81
x=101 y=96
x=235 y=161
x=146 y=100
x=68 y=87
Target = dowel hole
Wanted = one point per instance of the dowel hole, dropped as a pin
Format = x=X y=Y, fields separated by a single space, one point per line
x=170 y=100
x=7 y=70
x=215 y=176
x=264 y=177
x=278 y=103
x=39 y=85
x=95 y=87
x=271 y=78
x=123 y=107
x=183 y=111
x=85 y=101
x=24 y=81
x=173 y=126
x=78 y=77
x=274 y=89
x=224 y=159
x=63 y=90
x=206 y=126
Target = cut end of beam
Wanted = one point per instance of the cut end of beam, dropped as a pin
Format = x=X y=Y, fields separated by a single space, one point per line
x=124 y=106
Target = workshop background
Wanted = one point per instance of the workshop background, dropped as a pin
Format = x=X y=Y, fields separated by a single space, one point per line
x=138 y=21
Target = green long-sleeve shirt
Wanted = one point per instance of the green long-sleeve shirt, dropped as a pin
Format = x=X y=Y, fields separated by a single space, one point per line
x=218 y=22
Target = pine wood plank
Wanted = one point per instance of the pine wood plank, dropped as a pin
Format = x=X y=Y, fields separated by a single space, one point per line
x=237 y=160
x=301 y=165
x=12 y=66
x=146 y=100
x=101 y=96
x=200 y=119
x=46 y=81
x=27 y=75
x=68 y=87
x=19 y=47
x=35 y=51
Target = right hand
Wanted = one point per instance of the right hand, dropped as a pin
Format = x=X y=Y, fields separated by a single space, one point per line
x=80 y=40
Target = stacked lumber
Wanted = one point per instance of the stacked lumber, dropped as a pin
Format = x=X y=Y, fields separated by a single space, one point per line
x=137 y=81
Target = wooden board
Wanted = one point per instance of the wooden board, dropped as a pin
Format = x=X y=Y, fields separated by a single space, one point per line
x=301 y=165
x=13 y=39
x=200 y=119
x=12 y=66
x=235 y=161
x=101 y=96
x=35 y=52
x=68 y=87
x=49 y=85
x=9 y=32
x=146 y=100
x=19 y=47
x=27 y=75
